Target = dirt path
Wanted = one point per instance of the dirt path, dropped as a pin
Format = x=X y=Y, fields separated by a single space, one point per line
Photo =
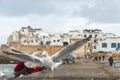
x=82 y=70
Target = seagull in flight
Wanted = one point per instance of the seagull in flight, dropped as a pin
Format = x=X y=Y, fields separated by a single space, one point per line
x=46 y=60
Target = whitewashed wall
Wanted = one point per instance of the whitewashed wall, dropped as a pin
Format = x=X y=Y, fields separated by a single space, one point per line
x=109 y=41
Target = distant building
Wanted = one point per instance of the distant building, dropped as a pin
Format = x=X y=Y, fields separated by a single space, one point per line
x=32 y=36
x=74 y=34
x=28 y=36
x=56 y=40
x=102 y=42
x=108 y=44
x=92 y=32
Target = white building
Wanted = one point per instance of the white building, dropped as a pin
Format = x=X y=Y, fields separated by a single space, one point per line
x=109 y=35
x=33 y=36
x=92 y=32
x=16 y=36
x=44 y=37
x=29 y=36
x=29 y=40
x=74 y=34
x=108 y=44
x=58 y=39
x=105 y=42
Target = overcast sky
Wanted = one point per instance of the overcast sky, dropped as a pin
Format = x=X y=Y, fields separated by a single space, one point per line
x=59 y=15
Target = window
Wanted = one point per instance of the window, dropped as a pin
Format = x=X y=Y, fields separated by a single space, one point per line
x=90 y=35
x=118 y=46
x=24 y=40
x=36 y=40
x=104 y=45
x=95 y=41
x=43 y=36
x=113 y=45
x=85 y=35
x=58 y=40
x=53 y=40
x=47 y=42
x=94 y=47
x=95 y=36
x=65 y=43
x=41 y=43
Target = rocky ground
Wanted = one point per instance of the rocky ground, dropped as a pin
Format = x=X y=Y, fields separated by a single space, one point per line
x=82 y=70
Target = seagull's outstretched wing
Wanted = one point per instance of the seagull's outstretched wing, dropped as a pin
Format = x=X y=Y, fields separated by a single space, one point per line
x=24 y=57
x=17 y=51
x=69 y=48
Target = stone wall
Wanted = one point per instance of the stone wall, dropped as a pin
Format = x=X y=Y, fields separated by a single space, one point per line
x=49 y=49
x=30 y=48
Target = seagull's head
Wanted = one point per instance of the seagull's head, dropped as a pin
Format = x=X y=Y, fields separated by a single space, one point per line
x=45 y=54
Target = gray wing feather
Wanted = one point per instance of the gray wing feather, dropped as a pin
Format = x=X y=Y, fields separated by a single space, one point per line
x=69 y=48
x=17 y=51
x=24 y=57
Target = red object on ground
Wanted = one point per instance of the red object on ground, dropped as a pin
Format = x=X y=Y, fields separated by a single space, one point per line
x=20 y=65
x=30 y=70
x=37 y=68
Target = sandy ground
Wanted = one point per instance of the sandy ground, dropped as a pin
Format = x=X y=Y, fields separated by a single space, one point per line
x=82 y=70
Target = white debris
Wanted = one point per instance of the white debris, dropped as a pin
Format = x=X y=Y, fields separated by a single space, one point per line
x=3 y=76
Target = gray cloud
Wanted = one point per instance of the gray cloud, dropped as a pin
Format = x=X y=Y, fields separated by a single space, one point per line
x=25 y=7
x=40 y=7
x=103 y=11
